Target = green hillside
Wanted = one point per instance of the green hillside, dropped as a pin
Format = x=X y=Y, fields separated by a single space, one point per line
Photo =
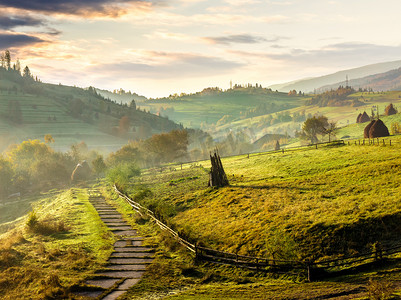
x=310 y=204
x=212 y=104
x=45 y=254
x=30 y=109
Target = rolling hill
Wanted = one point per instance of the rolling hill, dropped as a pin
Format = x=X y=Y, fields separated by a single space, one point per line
x=387 y=81
x=31 y=109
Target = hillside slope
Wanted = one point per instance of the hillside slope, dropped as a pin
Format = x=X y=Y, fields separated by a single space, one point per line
x=387 y=81
x=30 y=109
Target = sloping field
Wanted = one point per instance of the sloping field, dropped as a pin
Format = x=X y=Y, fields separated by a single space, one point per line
x=324 y=202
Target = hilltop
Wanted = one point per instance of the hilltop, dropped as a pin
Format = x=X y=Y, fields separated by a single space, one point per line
x=217 y=111
x=31 y=109
x=121 y=96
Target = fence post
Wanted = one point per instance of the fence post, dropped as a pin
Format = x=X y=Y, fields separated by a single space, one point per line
x=348 y=143
x=384 y=144
x=316 y=146
x=309 y=272
x=363 y=141
x=282 y=150
x=390 y=142
x=359 y=141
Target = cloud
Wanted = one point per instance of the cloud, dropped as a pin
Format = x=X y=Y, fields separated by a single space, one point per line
x=9 y=22
x=341 y=53
x=8 y=40
x=164 y=65
x=113 y=8
x=240 y=39
x=334 y=55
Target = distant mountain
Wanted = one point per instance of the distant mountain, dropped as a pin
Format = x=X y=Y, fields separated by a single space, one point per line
x=387 y=81
x=121 y=96
x=310 y=84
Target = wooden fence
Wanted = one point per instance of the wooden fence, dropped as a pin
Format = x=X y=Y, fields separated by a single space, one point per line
x=312 y=270
x=375 y=141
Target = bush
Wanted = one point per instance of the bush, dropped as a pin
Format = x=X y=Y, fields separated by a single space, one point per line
x=121 y=174
x=45 y=227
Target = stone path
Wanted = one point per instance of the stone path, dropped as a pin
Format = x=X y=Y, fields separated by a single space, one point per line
x=126 y=264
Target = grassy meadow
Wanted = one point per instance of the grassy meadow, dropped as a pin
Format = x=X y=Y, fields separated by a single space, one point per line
x=54 y=248
x=195 y=109
x=307 y=204
x=322 y=199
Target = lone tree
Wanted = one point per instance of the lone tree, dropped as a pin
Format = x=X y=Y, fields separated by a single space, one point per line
x=314 y=126
x=217 y=176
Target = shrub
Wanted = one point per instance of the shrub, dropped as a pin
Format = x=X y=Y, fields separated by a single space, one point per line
x=121 y=174
x=45 y=227
x=395 y=128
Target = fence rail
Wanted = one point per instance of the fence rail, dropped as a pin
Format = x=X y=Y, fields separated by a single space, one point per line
x=309 y=268
x=141 y=210
x=282 y=150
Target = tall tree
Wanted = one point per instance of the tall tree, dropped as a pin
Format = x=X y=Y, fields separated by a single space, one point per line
x=314 y=126
x=7 y=58
x=18 y=66
x=27 y=73
x=2 y=60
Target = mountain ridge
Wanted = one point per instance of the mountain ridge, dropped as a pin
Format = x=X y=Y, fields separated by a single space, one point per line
x=308 y=85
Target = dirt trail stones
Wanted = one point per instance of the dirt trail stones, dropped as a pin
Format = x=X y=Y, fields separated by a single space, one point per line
x=128 y=262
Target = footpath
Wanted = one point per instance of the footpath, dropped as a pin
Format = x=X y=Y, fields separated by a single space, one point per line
x=127 y=263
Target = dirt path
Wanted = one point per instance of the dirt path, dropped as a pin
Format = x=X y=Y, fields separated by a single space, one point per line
x=127 y=263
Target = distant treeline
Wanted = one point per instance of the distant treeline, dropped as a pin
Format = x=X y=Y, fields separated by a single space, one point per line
x=336 y=97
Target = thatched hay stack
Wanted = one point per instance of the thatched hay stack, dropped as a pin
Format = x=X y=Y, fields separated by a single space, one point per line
x=81 y=172
x=390 y=110
x=367 y=128
x=358 y=119
x=378 y=129
x=364 y=118
x=277 y=146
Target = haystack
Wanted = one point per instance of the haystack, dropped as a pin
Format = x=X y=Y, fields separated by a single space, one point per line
x=358 y=119
x=277 y=146
x=378 y=129
x=364 y=118
x=81 y=172
x=367 y=128
x=390 y=110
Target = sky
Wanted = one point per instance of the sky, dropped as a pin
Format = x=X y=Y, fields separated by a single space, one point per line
x=160 y=47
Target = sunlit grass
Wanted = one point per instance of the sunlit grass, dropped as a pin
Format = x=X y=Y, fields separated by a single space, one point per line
x=45 y=261
x=315 y=196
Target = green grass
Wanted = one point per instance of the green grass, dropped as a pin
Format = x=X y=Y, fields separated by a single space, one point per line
x=317 y=204
x=293 y=191
x=192 y=110
x=45 y=261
